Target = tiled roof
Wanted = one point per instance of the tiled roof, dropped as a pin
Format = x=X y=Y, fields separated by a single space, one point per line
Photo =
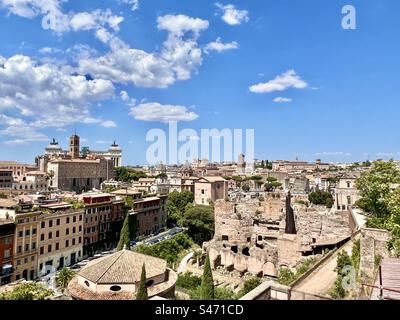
x=122 y=267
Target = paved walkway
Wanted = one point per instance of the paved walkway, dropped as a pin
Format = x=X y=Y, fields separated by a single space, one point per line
x=184 y=262
x=323 y=278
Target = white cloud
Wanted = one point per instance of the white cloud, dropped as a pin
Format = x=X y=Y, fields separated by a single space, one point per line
x=218 y=46
x=154 y=111
x=124 y=95
x=45 y=95
x=49 y=50
x=231 y=15
x=108 y=124
x=282 y=100
x=94 y=20
x=56 y=20
x=178 y=25
x=177 y=59
x=287 y=80
x=133 y=3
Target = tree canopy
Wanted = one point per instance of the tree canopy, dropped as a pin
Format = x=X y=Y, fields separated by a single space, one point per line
x=200 y=223
x=320 y=197
x=27 y=291
x=126 y=174
x=176 y=205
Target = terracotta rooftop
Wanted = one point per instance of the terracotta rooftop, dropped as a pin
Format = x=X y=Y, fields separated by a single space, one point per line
x=8 y=203
x=122 y=267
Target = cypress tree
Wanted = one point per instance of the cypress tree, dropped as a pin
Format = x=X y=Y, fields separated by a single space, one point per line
x=142 y=292
x=124 y=237
x=207 y=282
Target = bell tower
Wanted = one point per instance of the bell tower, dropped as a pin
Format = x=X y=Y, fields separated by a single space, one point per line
x=74 y=146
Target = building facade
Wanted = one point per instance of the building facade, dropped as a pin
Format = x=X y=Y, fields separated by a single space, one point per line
x=61 y=237
x=150 y=214
x=210 y=189
x=7 y=231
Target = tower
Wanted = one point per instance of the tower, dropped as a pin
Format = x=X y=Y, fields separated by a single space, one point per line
x=74 y=146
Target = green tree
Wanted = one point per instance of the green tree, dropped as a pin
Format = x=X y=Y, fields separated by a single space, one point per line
x=200 y=223
x=246 y=188
x=63 y=277
x=176 y=205
x=142 y=291
x=207 y=282
x=343 y=260
x=272 y=184
x=188 y=281
x=124 y=238
x=374 y=187
x=249 y=285
x=320 y=197
x=27 y=291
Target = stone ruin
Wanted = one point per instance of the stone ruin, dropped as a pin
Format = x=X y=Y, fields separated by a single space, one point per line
x=251 y=233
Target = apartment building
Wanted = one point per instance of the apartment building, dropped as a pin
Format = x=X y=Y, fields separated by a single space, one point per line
x=26 y=239
x=6 y=179
x=151 y=215
x=7 y=230
x=104 y=214
x=61 y=237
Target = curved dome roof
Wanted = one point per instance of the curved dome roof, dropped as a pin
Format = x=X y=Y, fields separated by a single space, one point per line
x=115 y=147
x=53 y=145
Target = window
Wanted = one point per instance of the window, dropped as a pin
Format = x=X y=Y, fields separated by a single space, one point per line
x=7 y=253
x=73 y=230
x=348 y=184
x=49 y=248
x=42 y=225
x=34 y=231
x=202 y=191
x=87 y=283
x=20 y=234
x=8 y=240
x=115 y=288
x=80 y=228
x=50 y=235
x=80 y=217
x=50 y=223
x=33 y=245
x=74 y=219
x=68 y=220
x=57 y=233
x=27 y=232
x=66 y=243
x=73 y=241
x=42 y=237
x=57 y=246
x=80 y=240
x=18 y=262
x=349 y=200
x=19 y=250
x=41 y=250
x=33 y=258
x=67 y=231
x=41 y=266
x=58 y=222
x=26 y=260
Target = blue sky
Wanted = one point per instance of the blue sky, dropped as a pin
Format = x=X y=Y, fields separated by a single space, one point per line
x=285 y=68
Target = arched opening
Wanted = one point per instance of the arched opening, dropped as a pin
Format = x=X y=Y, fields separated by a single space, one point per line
x=246 y=252
x=87 y=283
x=234 y=249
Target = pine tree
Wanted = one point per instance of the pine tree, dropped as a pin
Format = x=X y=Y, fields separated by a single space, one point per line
x=124 y=238
x=207 y=282
x=142 y=292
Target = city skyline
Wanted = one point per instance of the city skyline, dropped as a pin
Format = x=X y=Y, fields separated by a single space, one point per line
x=117 y=69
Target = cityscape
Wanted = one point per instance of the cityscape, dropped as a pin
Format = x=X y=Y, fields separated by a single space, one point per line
x=130 y=171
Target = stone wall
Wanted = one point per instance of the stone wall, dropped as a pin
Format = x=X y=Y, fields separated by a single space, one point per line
x=373 y=243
